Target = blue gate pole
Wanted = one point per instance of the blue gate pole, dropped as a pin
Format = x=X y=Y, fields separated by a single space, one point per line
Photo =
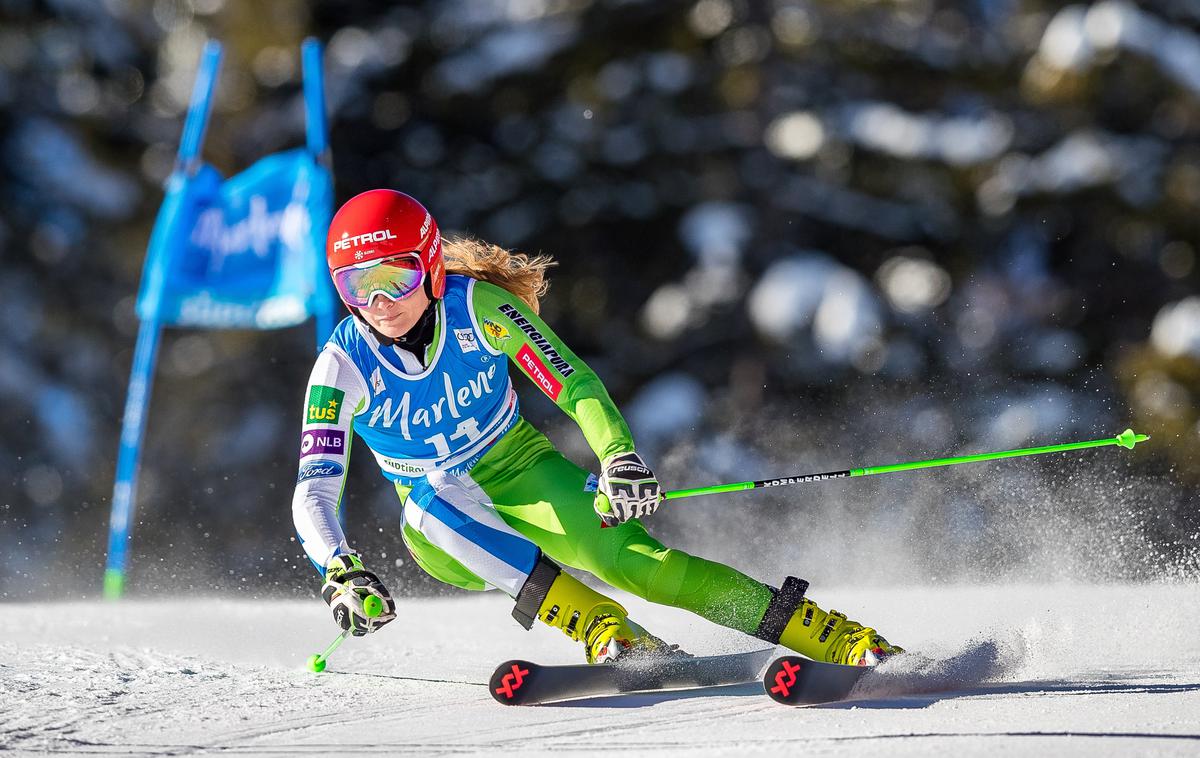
x=145 y=353
x=316 y=129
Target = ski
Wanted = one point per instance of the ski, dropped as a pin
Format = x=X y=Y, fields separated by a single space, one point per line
x=793 y=680
x=524 y=683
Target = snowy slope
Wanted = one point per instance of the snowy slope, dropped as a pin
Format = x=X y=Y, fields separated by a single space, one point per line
x=210 y=676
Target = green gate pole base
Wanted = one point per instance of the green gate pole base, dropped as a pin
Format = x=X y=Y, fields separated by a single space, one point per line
x=114 y=583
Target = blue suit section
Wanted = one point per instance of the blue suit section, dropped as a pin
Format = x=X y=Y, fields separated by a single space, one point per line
x=454 y=515
x=440 y=416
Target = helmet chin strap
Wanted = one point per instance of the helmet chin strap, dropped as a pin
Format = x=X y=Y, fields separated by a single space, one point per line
x=415 y=339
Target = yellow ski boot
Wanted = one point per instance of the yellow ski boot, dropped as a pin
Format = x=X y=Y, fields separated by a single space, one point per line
x=798 y=623
x=586 y=616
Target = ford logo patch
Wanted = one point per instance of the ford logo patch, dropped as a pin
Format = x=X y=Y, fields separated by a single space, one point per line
x=318 y=469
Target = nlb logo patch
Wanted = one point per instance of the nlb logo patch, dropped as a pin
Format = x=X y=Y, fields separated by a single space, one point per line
x=324 y=404
x=538 y=372
x=322 y=442
x=319 y=470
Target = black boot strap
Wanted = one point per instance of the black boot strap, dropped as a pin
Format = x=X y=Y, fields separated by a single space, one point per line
x=533 y=592
x=779 y=611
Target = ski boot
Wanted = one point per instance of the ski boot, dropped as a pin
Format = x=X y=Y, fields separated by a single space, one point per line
x=796 y=622
x=586 y=616
x=610 y=638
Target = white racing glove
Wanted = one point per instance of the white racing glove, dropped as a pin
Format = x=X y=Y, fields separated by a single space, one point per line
x=347 y=585
x=627 y=489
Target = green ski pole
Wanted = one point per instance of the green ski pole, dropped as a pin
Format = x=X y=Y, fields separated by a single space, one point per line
x=1126 y=439
x=372 y=607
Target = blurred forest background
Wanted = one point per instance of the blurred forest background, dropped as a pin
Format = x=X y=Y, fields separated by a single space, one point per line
x=792 y=236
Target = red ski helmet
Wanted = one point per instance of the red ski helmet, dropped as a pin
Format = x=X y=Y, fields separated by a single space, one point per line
x=384 y=223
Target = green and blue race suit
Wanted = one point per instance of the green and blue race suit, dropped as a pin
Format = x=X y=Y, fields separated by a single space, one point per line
x=484 y=492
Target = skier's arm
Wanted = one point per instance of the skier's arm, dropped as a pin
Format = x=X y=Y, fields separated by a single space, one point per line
x=336 y=393
x=511 y=327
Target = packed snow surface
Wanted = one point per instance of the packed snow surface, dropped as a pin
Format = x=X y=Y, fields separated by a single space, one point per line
x=1014 y=670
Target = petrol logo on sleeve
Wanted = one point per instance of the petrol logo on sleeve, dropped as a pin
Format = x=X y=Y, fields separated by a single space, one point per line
x=538 y=339
x=319 y=469
x=324 y=404
x=322 y=442
x=538 y=372
x=497 y=331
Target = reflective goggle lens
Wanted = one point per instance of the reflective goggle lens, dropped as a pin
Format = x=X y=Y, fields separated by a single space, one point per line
x=394 y=278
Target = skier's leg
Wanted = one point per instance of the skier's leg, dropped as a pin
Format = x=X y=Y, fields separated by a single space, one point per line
x=554 y=509
x=547 y=498
x=456 y=536
x=449 y=513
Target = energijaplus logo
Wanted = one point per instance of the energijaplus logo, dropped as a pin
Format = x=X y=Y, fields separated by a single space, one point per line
x=347 y=241
x=539 y=341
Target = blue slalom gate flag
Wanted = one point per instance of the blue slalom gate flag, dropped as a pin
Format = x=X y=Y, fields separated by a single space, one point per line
x=246 y=252
x=242 y=253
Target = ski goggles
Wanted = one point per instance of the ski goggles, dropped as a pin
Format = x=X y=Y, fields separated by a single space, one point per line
x=395 y=278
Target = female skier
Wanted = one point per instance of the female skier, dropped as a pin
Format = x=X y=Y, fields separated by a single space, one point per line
x=419 y=372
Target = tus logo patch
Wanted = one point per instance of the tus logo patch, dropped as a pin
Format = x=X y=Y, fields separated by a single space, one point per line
x=322 y=442
x=319 y=470
x=324 y=404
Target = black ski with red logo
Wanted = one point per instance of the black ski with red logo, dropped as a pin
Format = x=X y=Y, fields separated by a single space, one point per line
x=525 y=683
x=793 y=680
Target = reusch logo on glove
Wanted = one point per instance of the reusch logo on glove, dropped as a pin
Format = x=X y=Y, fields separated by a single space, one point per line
x=628 y=469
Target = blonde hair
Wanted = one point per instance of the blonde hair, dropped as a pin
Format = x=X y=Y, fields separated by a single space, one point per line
x=522 y=275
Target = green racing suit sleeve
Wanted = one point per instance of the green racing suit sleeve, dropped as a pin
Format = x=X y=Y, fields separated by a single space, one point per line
x=510 y=327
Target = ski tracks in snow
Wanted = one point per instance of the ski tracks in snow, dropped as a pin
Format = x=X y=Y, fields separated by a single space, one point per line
x=203 y=677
